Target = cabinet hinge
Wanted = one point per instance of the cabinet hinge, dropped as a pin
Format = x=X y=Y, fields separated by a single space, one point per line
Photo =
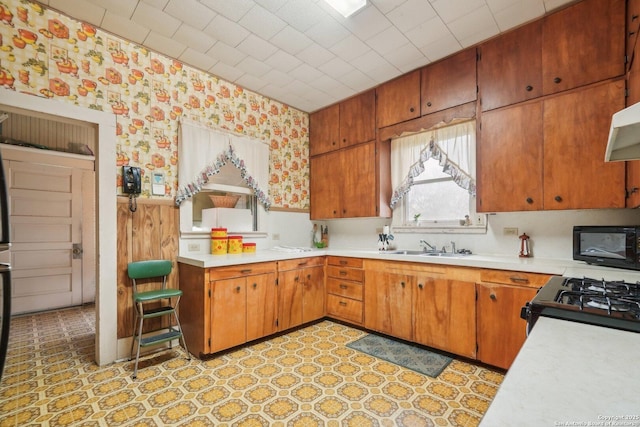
x=476 y=295
x=209 y=293
x=277 y=323
x=626 y=92
x=276 y=282
x=478 y=55
x=209 y=342
x=477 y=348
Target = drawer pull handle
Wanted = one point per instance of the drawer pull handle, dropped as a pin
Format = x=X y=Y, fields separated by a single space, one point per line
x=238 y=289
x=402 y=284
x=343 y=303
x=519 y=279
x=255 y=285
x=493 y=297
x=245 y=271
x=343 y=286
x=300 y=264
x=420 y=285
x=343 y=262
x=343 y=273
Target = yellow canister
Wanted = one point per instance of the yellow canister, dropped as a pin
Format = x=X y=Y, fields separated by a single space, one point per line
x=249 y=248
x=218 y=232
x=235 y=244
x=219 y=245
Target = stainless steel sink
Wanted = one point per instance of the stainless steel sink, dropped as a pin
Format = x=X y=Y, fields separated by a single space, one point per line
x=440 y=254
x=423 y=253
x=406 y=252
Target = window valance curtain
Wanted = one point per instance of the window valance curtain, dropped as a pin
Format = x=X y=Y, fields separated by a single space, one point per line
x=202 y=152
x=452 y=146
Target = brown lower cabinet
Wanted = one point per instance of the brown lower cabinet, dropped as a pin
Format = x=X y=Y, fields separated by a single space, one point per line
x=500 y=330
x=300 y=291
x=345 y=289
x=228 y=306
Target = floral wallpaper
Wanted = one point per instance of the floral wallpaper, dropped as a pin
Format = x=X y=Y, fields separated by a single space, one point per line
x=51 y=55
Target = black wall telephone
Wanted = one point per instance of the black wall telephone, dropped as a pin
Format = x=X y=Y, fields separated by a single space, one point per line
x=131 y=185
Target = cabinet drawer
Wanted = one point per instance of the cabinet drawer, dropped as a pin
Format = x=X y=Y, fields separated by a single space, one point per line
x=344 y=308
x=514 y=278
x=345 y=262
x=293 y=264
x=241 y=270
x=345 y=288
x=345 y=273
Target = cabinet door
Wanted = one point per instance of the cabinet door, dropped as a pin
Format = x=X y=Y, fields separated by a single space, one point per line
x=510 y=67
x=444 y=315
x=289 y=299
x=582 y=44
x=313 y=294
x=500 y=330
x=398 y=100
x=449 y=82
x=388 y=302
x=261 y=306
x=325 y=184
x=358 y=119
x=228 y=313
x=576 y=129
x=510 y=156
x=324 y=130
x=358 y=182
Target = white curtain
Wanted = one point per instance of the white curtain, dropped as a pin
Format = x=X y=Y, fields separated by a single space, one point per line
x=202 y=152
x=453 y=147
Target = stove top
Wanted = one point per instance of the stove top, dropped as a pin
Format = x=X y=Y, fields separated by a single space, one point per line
x=614 y=304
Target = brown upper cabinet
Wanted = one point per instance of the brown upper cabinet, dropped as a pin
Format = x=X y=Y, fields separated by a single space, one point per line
x=449 y=82
x=576 y=46
x=348 y=123
x=399 y=100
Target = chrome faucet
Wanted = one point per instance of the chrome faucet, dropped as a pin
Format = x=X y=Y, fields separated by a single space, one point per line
x=453 y=247
x=426 y=245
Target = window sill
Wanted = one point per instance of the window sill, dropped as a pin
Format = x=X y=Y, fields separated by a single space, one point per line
x=440 y=229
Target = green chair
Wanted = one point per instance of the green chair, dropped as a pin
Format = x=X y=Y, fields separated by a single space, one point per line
x=161 y=300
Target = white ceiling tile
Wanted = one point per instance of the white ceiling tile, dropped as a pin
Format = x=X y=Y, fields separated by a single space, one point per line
x=197 y=59
x=271 y=5
x=248 y=80
x=518 y=13
x=406 y=58
x=428 y=32
x=305 y=73
x=277 y=77
x=283 y=61
x=315 y=55
x=358 y=81
x=253 y=66
x=155 y=19
x=160 y=4
x=261 y=22
x=193 y=38
x=291 y=40
x=117 y=24
x=119 y=7
x=160 y=43
x=84 y=11
x=383 y=72
x=226 y=72
x=450 y=10
x=327 y=32
x=368 y=23
x=411 y=14
x=370 y=61
x=550 y=5
x=336 y=68
x=387 y=41
x=191 y=12
x=479 y=21
x=330 y=85
x=300 y=14
x=498 y=5
x=223 y=29
x=234 y=10
x=386 y=6
x=441 y=48
x=226 y=54
x=256 y=47
x=349 y=48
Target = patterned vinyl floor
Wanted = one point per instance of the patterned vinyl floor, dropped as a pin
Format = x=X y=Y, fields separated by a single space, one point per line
x=305 y=378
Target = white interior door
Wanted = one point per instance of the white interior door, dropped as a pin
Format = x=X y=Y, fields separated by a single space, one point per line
x=46 y=215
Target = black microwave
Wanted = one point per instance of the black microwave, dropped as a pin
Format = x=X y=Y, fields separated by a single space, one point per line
x=610 y=246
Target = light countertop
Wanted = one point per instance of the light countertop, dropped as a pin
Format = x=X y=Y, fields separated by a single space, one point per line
x=570 y=373
x=566 y=267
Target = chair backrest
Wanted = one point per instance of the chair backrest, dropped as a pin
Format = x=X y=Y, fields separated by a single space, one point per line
x=153 y=268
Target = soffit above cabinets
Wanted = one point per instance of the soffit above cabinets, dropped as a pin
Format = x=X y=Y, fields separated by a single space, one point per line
x=302 y=52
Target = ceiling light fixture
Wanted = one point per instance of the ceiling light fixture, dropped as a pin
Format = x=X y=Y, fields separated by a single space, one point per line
x=347 y=7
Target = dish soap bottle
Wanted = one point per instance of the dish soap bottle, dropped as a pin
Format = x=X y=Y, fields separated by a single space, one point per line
x=325 y=236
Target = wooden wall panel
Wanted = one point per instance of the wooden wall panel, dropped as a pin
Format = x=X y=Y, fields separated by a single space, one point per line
x=149 y=233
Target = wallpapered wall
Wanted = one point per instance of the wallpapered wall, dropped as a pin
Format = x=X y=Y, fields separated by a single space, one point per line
x=51 y=55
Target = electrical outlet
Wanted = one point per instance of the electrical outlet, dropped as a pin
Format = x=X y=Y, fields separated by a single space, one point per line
x=193 y=247
x=276 y=236
x=510 y=231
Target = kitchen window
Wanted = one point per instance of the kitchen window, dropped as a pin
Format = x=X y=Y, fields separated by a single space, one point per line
x=433 y=177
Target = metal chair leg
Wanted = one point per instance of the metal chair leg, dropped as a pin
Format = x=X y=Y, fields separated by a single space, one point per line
x=135 y=368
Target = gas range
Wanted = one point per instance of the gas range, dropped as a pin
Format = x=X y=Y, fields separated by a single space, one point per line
x=613 y=304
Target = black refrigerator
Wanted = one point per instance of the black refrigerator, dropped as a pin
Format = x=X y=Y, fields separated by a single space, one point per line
x=5 y=271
